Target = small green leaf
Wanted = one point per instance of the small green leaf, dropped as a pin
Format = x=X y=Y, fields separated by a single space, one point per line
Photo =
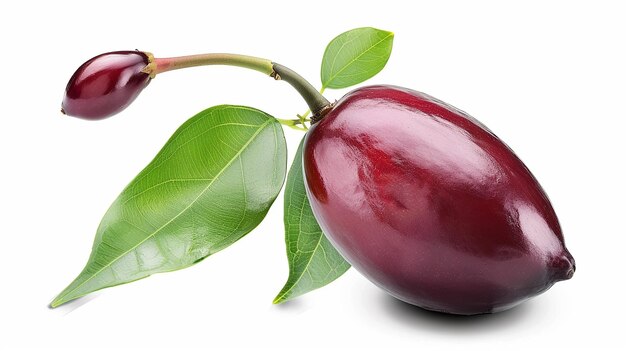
x=355 y=56
x=212 y=183
x=313 y=261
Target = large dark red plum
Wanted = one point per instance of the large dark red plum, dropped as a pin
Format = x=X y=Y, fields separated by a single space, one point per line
x=430 y=205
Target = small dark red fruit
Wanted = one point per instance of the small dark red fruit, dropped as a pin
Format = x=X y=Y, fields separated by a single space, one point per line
x=106 y=84
x=430 y=205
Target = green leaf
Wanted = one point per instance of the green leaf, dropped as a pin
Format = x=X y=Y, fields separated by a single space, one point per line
x=212 y=183
x=313 y=261
x=355 y=56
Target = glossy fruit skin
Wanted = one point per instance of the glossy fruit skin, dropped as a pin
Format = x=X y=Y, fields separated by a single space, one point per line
x=430 y=205
x=106 y=84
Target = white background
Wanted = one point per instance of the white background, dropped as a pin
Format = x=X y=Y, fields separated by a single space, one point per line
x=547 y=77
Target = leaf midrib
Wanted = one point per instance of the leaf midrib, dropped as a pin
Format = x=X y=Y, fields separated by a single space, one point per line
x=306 y=266
x=310 y=259
x=325 y=85
x=261 y=127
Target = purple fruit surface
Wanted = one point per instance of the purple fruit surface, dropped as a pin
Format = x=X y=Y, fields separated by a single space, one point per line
x=106 y=84
x=430 y=205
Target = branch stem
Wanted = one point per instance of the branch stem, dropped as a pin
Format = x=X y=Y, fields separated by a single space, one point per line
x=314 y=99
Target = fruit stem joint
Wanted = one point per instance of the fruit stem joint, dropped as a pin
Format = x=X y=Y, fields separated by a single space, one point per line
x=151 y=67
x=316 y=101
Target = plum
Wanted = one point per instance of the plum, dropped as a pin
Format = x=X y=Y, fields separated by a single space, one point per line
x=430 y=205
x=106 y=84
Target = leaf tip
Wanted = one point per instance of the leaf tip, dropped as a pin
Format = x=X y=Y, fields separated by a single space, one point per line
x=389 y=35
x=278 y=300
x=55 y=303
x=61 y=299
